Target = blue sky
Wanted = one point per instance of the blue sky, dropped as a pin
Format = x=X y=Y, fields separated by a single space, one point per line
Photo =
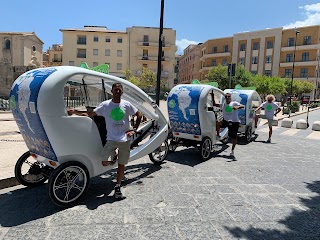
x=194 y=21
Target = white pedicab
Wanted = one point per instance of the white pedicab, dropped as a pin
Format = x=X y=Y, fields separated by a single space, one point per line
x=193 y=114
x=251 y=100
x=67 y=149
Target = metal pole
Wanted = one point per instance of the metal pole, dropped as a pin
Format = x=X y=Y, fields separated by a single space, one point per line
x=294 y=58
x=159 y=54
x=230 y=79
x=317 y=77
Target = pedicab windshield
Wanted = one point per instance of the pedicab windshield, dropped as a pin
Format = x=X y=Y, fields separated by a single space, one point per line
x=88 y=92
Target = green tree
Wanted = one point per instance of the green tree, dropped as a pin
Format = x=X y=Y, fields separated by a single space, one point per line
x=242 y=77
x=131 y=78
x=219 y=74
x=307 y=87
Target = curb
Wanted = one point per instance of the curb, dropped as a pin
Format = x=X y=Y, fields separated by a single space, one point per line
x=8 y=182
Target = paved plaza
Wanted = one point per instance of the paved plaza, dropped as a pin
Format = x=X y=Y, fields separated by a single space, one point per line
x=271 y=191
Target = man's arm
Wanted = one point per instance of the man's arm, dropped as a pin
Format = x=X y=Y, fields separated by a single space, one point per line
x=80 y=113
x=138 y=121
x=238 y=107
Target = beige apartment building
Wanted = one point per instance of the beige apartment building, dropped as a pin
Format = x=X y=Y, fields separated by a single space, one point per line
x=189 y=64
x=133 y=49
x=20 y=52
x=143 y=51
x=267 y=52
x=53 y=56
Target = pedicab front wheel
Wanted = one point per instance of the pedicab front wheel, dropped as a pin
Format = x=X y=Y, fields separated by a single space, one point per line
x=29 y=172
x=205 y=148
x=158 y=155
x=68 y=183
x=248 y=134
x=172 y=142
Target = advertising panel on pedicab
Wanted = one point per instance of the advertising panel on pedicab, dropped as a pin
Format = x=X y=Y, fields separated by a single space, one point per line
x=183 y=102
x=23 y=102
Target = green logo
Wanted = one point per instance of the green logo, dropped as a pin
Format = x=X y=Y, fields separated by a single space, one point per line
x=12 y=101
x=229 y=109
x=172 y=103
x=117 y=114
x=269 y=107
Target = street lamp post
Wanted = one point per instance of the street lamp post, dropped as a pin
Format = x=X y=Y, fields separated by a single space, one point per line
x=294 y=58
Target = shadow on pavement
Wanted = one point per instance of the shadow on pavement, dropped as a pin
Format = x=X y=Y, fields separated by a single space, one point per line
x=24 y=205
x=304 y=224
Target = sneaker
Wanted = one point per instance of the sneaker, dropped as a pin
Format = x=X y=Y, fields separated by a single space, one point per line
x=117 y=193
x=232 y=154
x=269 y=140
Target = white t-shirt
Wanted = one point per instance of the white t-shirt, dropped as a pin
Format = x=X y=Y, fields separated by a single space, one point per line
x=117 y=118
x=229 y=114
x=269 y=109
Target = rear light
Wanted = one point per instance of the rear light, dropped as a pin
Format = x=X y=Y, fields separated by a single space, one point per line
x=33 y=155
x=175 y=133
x=52 y=163
x=196 y=136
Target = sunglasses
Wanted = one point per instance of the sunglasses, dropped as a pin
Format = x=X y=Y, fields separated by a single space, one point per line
x=227 y=96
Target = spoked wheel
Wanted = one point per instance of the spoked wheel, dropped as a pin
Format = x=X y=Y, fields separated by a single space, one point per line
x=158 y=155
x=29 y=172
x=68 y=183
x=172 y=142
x=248 y=134
x=205 y=148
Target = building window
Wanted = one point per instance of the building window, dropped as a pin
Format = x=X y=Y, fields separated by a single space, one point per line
x=34 y=48
x=269 y=44
x=94 y=64
x=305 y=57
x=290 y=42
x=255 y=46
x=215 y=49
x=269 y=59
x=7 y=44
x=119 y=39
x=82 y=40
x=254 y=60
x=81 y=53
x=241 y=61
x=96 y=39
x=145 y=40
x=108 y=39
x=145 y=54
x=224 y=62
x=95 y=52
x=225 y=48
x=287 y=73
x=144 y=65
x=307 y=40
x=119 y=53
x=119 y=66
x=71 y=63
x=254 y=72
x=242 y=47
x=289 y=57
x=107 y=52
x=213 y=63
x=304 y=72
x=267 y=73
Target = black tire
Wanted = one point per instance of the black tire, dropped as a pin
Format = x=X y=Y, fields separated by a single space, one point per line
x=205 y=148
x=158 y=155
x=248 y=134
x=68 y=183
x=35 y=171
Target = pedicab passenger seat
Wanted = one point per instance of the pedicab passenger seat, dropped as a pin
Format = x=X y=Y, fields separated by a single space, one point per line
x=101 y=125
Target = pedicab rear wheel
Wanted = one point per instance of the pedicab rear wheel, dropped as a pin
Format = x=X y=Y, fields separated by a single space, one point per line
x=172 y=142
x=158 y=155
x=248 y=134
x=34 y=171
x=205 y=148
x=68 y=183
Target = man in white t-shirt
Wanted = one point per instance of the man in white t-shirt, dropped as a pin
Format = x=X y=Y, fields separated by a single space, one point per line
x=271 y=109
x=231 y=119
x=116 y=113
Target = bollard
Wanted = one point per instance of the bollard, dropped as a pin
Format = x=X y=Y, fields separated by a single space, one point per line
x=301 y=124
x=316 y=126
x=286 y=122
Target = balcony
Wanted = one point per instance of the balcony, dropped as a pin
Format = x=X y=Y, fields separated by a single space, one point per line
x=299 y=64
x=301 y=47
x=153 y=44
x=214 y=55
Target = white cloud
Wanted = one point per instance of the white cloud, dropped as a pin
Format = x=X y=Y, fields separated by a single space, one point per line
x=312 y=16
x=183 y=43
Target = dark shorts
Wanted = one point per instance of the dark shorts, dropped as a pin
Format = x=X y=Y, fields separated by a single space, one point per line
x=232 y=127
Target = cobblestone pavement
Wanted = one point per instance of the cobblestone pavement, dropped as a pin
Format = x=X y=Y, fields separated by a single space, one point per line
x=271 y=191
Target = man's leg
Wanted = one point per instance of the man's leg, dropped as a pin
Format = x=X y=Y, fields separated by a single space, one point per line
x=270 y=132
x=234 y=143
x=120 y=173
